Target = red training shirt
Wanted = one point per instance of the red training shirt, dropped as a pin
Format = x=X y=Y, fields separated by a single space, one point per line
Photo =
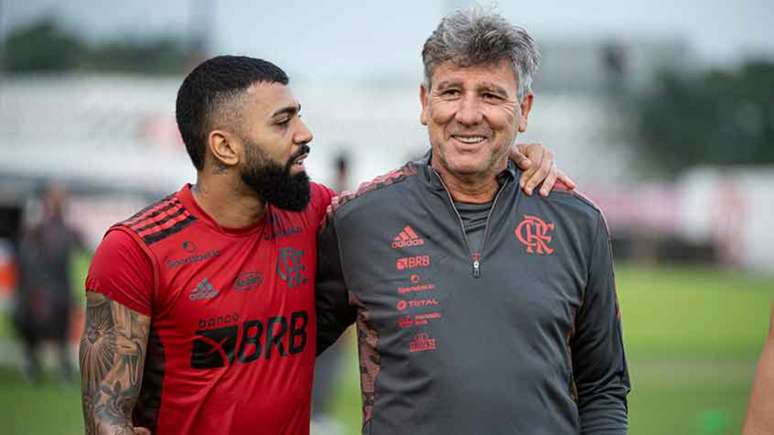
x=233 y=331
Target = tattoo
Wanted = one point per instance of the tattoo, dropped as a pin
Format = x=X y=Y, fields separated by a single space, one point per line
x=112 y=356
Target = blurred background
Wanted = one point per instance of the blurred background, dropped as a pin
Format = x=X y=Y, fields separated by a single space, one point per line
x=663 y=112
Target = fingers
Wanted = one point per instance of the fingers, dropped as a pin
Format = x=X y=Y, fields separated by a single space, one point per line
x=517 y=154
x=535 y=153
x=540 y=174
x=141 y=431
x=549 y=182
x=564 y=178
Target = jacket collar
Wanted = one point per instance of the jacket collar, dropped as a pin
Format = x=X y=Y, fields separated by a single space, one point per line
x=510 y=173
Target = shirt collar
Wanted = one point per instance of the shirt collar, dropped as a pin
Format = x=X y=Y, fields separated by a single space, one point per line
x=511 y=171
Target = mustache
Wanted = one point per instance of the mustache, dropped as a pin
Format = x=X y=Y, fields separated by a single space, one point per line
x=303 y=149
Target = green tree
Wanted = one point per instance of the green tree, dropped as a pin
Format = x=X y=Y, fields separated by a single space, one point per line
x=162 y=55
x=45 y=47
x=40 y=47
x=719 y=118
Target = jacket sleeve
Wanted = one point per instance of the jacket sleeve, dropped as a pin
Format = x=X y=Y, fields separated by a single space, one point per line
x=334 y=312
x=599 y=364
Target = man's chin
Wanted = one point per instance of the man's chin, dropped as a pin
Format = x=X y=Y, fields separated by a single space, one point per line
x=466 y=169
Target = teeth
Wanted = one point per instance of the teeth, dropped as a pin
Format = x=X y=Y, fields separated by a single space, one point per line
x=470 y=139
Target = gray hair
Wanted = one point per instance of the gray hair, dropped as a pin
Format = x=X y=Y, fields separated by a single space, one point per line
x=476 y=37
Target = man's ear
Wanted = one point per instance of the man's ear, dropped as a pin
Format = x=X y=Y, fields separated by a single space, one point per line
x=526 y=106
x=224 y=147
x=424 y=94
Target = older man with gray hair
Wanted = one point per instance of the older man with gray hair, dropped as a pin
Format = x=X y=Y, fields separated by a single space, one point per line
x=479 y=310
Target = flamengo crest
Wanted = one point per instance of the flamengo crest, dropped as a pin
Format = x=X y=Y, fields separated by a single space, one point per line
x=533 y=233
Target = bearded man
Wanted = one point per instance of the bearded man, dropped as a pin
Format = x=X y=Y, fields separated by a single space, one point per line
x=200 y=308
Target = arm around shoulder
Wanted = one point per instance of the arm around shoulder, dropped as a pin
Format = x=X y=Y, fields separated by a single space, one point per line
x=334 y=311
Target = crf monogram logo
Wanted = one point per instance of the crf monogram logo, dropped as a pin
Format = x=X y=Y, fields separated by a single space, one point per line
x=533 y=233
x=289 y=266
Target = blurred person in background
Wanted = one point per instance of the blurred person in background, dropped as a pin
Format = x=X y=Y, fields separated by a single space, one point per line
x=341 y=178
x=44 y=299
x=478 y=309
x=209 y=292
x=760 y=412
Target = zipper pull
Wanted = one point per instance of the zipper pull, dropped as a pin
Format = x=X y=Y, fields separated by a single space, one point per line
x=476 y=268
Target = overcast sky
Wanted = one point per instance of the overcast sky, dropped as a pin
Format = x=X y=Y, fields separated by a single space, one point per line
x=362 y=37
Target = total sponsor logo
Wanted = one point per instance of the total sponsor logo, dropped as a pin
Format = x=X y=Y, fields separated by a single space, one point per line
x=417 y=261
x=406 y=238
x=418 y=320
x=421 y=343
x=403 y=304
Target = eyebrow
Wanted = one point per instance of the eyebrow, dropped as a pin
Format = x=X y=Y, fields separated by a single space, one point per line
x=484 y=86
x=493 y=87
x=446 y=83
x=287 y=110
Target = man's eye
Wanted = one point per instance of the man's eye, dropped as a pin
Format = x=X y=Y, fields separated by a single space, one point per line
x=493 y=97
x=283 y=122
x=450 y=93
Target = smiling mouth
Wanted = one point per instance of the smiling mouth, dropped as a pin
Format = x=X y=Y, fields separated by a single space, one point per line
x=469 y=139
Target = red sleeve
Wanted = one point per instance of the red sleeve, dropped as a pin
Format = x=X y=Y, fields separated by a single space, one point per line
x=321 y=199
x=122 y=271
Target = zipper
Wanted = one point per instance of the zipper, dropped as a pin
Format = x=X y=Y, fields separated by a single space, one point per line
x=476 y=258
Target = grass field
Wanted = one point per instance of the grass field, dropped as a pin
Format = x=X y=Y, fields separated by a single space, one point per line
x=692 y=337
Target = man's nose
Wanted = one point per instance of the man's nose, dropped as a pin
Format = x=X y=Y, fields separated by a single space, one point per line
x=303 y=135
x=469 y=111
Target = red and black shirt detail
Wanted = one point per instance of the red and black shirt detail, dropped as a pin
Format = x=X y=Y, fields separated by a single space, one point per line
x=233 y=331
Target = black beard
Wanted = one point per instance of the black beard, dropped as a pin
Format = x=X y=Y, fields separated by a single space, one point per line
x=274 y=183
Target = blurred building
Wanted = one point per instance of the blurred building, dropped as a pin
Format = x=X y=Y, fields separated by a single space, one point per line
x=114 y=140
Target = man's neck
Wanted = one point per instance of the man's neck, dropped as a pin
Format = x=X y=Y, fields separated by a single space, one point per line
x=473 y=189
x=229 y=203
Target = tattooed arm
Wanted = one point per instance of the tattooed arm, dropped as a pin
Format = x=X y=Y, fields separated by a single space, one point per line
x=112 y=356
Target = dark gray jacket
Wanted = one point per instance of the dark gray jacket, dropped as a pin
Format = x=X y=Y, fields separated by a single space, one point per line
x=523 y=339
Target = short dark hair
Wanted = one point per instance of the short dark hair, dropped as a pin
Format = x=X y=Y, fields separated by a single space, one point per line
x=213 y=84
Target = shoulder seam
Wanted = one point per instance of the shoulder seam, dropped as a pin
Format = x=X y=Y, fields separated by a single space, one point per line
x=378 y=183
x=152 y=210
x=159 y=220
x=151 y=256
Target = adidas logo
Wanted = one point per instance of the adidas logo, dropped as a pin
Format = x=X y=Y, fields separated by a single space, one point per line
x=204 y=290
x=406 y=238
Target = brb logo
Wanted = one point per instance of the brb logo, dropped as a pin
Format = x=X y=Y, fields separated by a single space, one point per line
x=412 y=262
x=533 y=233
x=290 y=267
x=213 y=348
